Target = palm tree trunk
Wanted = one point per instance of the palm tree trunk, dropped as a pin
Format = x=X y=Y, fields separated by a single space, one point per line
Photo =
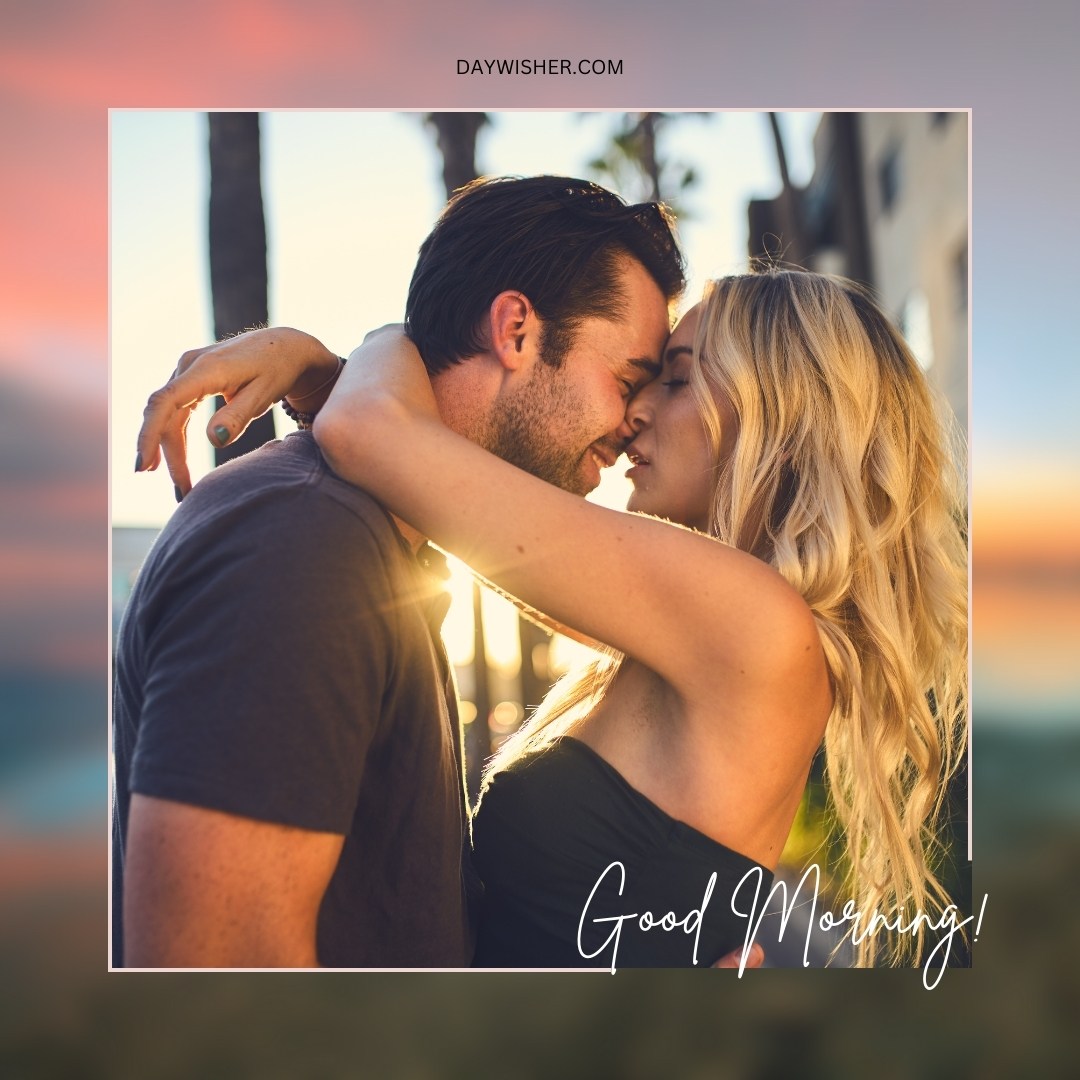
x=455 y=136
x=650 y=166
x=794 y=249
x=238 y=275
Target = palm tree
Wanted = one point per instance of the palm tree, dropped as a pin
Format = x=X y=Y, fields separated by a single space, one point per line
x=789 y=205
x=455 y=136
x=634 y=164
x=238 y=276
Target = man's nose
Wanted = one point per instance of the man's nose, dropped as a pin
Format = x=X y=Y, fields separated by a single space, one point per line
x=634 y=419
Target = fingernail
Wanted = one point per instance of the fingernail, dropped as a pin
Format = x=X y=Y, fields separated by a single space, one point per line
x=221 y=433
x=177 y=492
x=138 y=462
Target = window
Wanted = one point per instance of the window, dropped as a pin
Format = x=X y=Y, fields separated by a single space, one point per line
x=889 y=179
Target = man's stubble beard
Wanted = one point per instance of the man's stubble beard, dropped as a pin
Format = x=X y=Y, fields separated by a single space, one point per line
x=522 y=425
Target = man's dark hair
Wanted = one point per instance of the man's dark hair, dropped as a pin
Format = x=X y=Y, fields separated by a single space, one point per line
x=557 y=240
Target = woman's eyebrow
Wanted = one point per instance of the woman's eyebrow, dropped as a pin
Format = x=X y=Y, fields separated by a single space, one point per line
x=677 y=351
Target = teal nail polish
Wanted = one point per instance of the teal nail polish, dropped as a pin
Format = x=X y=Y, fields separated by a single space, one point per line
x=177 y=492
x=221 y=433
x=138 y=462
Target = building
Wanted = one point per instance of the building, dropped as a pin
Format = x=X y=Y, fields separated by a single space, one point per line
x=888 y=205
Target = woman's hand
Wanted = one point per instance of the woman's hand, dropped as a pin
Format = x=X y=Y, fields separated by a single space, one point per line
x=251 y=371
x=755 y=957
x=382 y=398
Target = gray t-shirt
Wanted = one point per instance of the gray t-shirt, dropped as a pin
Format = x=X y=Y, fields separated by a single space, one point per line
x=279 y=659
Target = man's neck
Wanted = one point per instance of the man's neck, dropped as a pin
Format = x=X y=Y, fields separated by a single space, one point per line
x=463 y=393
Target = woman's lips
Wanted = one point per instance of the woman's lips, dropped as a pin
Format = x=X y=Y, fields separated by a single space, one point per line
x=638 y=461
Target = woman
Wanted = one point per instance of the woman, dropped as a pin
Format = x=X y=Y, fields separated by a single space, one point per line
x=815 y=589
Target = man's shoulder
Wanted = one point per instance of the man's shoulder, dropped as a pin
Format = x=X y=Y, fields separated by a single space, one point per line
x=286 y=480
x=276 y=510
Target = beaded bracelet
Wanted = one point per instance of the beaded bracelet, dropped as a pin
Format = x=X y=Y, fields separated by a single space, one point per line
x=304 y=420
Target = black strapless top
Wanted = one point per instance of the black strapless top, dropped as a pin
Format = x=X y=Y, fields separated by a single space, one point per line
x=545 y=836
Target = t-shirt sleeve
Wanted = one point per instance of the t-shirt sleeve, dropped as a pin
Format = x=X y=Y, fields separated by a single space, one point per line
x=267 y=660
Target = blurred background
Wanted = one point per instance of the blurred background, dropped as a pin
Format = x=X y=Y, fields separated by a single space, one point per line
x=62 y=66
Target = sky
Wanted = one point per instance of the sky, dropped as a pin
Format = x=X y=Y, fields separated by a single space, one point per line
x=64 y=64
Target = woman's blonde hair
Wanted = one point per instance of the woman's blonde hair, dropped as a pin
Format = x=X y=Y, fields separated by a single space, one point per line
x=845 y=477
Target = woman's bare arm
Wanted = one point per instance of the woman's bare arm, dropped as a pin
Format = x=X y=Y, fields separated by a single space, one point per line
x=690 y=608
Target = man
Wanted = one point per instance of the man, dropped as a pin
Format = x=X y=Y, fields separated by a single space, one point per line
x=289 y=785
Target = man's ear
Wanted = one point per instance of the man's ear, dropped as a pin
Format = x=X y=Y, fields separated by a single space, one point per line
x=515 y=330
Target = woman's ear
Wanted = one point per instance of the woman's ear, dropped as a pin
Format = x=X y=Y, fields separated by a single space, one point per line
x=515 y=330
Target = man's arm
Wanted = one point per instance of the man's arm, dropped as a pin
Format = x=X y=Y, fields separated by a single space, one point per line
x=207 y=889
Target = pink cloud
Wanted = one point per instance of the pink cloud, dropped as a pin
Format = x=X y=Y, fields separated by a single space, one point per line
x=242 y=53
